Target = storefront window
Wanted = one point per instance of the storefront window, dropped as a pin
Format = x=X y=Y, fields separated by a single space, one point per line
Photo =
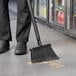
x=59 y=12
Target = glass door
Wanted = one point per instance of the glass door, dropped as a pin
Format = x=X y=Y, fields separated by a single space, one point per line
x=71 y=18
x=35 y=7
x=59 y=12
x=68 y=14
x=42 y=8
x=51 y=10
x=71 y=15
x=74 y=15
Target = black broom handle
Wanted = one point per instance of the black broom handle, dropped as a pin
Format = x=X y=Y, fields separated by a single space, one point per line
x=34 y=23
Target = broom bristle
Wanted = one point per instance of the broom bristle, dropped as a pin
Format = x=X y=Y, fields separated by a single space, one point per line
x=43 y=53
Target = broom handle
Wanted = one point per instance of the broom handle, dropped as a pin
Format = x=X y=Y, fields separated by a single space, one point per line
x=34 y=23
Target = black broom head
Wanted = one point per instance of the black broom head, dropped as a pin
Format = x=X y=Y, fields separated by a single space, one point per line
x=43 y=53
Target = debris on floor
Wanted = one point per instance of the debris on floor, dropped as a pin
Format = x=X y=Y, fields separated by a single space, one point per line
x=53 y=64
x=46 y=62
x=29 y=63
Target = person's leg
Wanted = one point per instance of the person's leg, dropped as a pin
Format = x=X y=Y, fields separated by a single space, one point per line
x=23 y=21
x=5 y=33
x=23 y=26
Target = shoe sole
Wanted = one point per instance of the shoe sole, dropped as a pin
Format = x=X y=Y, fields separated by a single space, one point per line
x=20 y=53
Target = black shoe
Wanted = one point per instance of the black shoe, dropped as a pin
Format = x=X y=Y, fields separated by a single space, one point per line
x=21 y=48
x=4 y=46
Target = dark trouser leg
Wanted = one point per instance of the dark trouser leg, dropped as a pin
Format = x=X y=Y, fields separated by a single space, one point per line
x=5 y=33
x=23 y=21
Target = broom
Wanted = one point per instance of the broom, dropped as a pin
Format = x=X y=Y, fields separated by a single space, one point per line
x=42 y=52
